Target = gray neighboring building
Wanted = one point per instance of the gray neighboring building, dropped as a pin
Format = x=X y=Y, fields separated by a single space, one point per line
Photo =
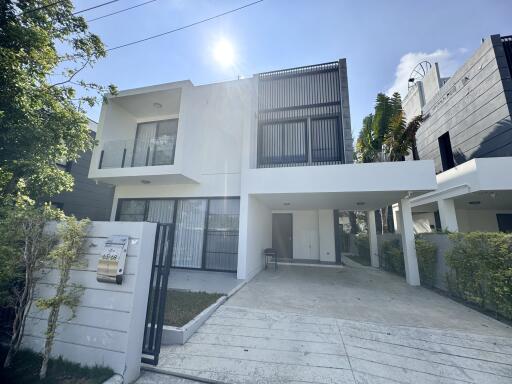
x=468 y=115
x=88 y=198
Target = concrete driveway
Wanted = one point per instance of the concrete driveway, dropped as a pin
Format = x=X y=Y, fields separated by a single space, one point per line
x=350 y=325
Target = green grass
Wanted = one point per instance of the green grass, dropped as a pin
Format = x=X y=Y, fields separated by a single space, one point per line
x=183 y=306
x=26 y=365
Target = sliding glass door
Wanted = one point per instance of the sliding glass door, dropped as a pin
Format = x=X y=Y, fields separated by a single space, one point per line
x=206 y=230
x=155 y=143
x=189 y=235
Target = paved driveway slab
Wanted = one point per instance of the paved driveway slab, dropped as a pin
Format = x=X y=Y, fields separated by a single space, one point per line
x=306 y=338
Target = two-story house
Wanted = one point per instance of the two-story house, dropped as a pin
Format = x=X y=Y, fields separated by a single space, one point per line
x=243 y=165
x=467 y=131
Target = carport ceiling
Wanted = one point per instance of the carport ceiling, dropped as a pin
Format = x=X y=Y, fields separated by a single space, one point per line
x=349 y=201
x=499 y=200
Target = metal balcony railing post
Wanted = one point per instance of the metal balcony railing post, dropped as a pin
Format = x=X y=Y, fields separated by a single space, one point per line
x=147 y=157
x=101 y=159
x=124 y=157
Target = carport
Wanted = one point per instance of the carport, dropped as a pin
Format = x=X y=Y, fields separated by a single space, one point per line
x=347 y=187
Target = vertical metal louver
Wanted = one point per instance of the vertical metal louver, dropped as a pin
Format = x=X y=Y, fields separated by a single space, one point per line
x=300 y=117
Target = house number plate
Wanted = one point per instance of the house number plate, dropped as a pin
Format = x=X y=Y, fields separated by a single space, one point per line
x=112 y=260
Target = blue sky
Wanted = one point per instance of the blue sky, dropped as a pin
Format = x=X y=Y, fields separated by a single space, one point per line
x=379 y=39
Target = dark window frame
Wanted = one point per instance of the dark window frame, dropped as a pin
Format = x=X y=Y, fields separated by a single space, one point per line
x=157 y=122
x=205 y=234
x=446 y=151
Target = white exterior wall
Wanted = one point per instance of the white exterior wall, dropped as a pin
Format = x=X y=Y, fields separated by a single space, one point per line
x=431 y=83
x=423 y=221
x=326 y=235
x=255 y=235
x=109 y=325
x=478 y=220
x=313 y=234
x=213 y=119
x=306 y=243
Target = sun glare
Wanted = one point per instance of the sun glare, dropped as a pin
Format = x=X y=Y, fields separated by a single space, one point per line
x=223 y=53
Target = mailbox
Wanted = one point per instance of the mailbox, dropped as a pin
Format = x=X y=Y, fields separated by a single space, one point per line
x=112 y=260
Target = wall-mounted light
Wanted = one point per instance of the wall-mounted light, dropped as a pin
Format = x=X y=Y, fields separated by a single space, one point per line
x=286 y=204
x=474 y=203
x=145 y=182
x=360 y=203
x=157 y=105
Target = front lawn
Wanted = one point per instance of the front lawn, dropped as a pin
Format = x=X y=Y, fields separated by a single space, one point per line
x=183 y=306
x=26 y=365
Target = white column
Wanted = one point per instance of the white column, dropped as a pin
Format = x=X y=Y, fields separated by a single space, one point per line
x=396 y=218
x=447 y=215
x=412 y=274
x=372 y=237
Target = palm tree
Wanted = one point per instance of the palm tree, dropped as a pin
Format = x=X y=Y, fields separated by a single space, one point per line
x=401 y=138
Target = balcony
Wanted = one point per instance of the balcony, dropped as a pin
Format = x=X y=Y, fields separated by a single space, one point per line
x=138 y=153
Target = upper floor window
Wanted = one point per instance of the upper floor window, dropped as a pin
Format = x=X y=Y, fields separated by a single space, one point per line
x=301 y=142
x=154 y=144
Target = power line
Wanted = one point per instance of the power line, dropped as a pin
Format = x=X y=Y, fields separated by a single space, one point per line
x=62 y=1
x=122 y=10
x=43 y=7
x=185 y=26
x=96 y=6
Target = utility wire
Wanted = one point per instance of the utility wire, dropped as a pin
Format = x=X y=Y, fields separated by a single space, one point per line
x=96 y=6
x=122 y=10
x=61 y=1
x=43 y=7
x=185 y=26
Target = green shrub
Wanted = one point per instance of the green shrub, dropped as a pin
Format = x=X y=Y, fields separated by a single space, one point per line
x=481 y=270
x=426 y=253
x=393 y=257
x=363 y=245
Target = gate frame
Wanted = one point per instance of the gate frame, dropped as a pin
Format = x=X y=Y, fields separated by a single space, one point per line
x=153 y=325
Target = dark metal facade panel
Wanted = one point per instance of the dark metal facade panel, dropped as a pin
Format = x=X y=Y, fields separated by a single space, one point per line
x=475 y=108
x=300 y=115
x=507 y=47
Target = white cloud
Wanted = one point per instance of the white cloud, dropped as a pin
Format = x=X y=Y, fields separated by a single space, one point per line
x=448 y=64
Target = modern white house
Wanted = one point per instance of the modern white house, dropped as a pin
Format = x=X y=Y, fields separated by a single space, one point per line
x=244 y=165
x=467 y=131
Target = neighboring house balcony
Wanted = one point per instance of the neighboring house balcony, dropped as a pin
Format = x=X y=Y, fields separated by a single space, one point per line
x=140 y=140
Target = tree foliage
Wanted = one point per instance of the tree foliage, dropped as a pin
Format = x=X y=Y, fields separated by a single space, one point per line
x=71 y=233
x=385 y=136
x=44 y=48
x=24 y=247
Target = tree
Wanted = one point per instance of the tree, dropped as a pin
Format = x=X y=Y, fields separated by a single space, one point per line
x=401 y=138
x=25 y=247
x=385 y=136
x=67 y=254
x=44 y=49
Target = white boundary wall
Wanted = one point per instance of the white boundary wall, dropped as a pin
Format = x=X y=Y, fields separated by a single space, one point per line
x=108 y=328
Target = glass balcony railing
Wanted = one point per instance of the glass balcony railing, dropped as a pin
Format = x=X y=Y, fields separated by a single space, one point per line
x=138 y=153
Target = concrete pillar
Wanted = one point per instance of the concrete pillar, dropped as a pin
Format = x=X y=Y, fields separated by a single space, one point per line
x=396 y=218
x=412 y=274
x=372 y=237
x=447 y=215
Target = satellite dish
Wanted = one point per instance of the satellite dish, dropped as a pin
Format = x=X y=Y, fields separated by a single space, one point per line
x=418 y=73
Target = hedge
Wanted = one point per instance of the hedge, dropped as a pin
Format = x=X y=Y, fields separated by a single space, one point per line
x=426 y=252
x=481 y=270
x=393 y=259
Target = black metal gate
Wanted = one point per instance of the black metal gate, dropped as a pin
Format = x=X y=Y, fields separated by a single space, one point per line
x=153 y=327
